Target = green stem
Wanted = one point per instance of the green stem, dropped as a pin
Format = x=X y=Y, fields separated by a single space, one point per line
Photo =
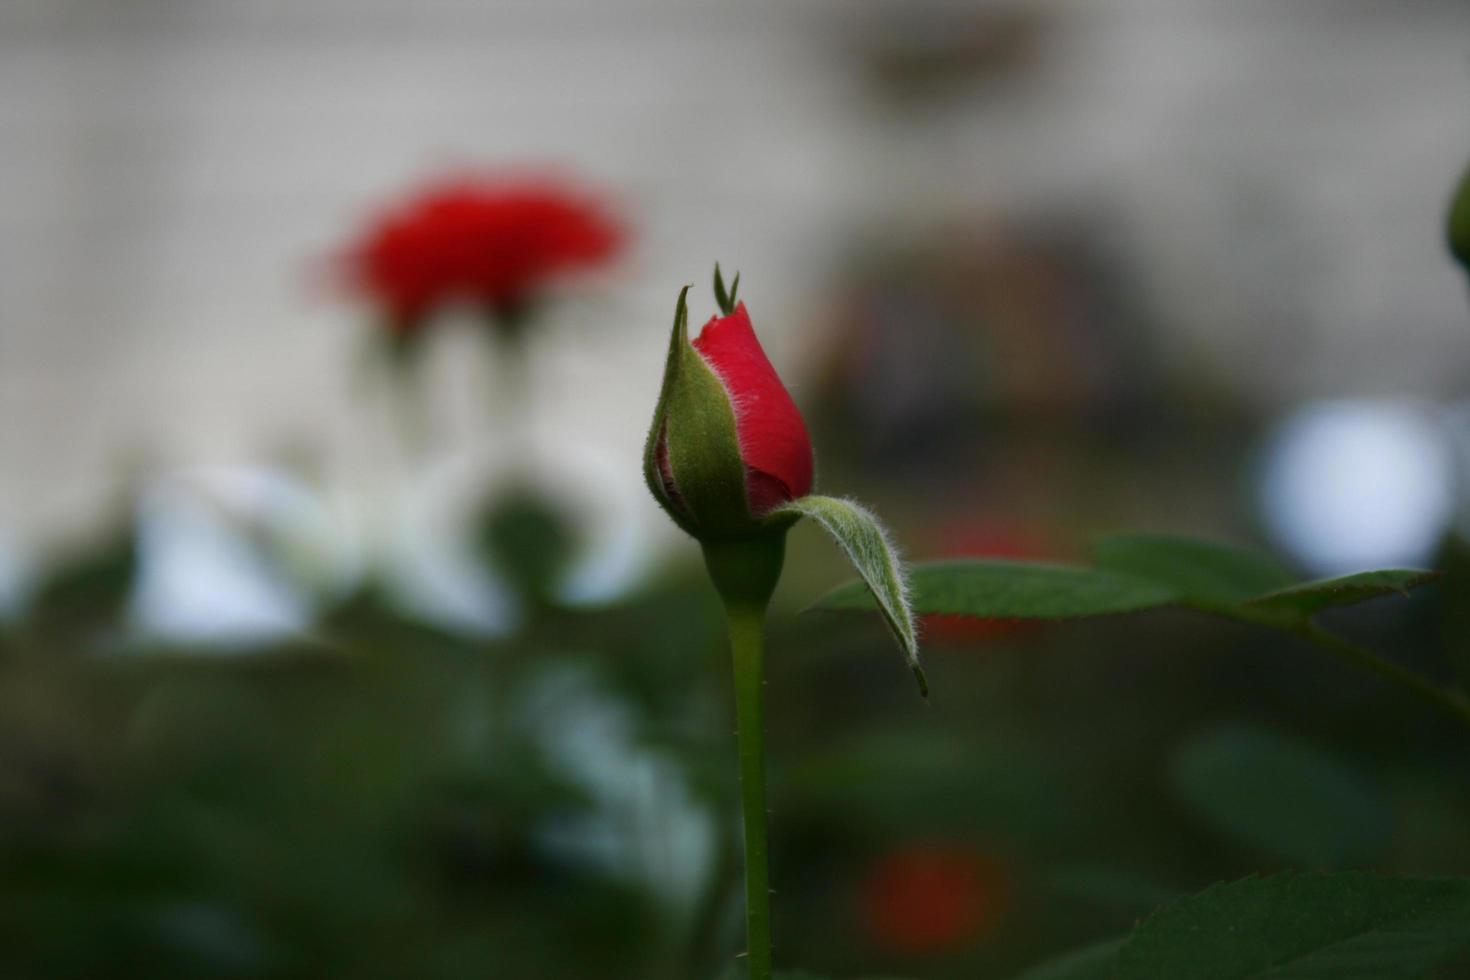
x=744 y=571
x=1443 y=698
x=747 y=647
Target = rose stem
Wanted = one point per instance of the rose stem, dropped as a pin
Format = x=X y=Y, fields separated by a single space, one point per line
x=747 y=648
x=744 y=572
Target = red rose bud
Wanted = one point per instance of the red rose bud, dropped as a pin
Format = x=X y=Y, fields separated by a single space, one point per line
x=729 y=459
x=728 y=445
x=1459 y=230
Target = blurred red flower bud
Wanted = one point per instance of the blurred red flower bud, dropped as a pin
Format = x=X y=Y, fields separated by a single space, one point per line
x=932 y=898
x=487 y=242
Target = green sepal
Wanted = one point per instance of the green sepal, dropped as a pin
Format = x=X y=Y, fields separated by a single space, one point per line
x=865 y=542
x=651 y=475
x=1459 y=224
x=726 y=298
x=696 y=422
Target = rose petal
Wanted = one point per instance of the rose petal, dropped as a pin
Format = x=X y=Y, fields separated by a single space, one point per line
x=774 y=443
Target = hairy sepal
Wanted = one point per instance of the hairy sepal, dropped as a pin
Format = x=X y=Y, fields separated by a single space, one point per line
x=865 y=542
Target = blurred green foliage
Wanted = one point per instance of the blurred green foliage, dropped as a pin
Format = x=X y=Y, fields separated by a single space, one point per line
x=386 y=797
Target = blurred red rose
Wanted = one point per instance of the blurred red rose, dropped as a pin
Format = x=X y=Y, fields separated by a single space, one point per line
x=494 y=243
x=932 y=898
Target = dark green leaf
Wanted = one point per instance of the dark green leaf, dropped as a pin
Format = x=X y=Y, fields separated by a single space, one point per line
x=1093 y=962
x=1015 y=590
x=1283 y=796
x=1134 y=571
x=1208 y=575
x=1296 y=926
x=1309 y=598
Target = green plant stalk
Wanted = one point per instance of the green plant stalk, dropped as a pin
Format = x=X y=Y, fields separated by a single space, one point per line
x=747 y=646
x=1445 y=699
x=745 y=572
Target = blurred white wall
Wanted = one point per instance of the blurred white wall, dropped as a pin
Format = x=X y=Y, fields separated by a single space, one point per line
x=170 y=170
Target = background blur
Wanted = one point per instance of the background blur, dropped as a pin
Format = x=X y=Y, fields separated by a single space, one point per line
x=288 y=694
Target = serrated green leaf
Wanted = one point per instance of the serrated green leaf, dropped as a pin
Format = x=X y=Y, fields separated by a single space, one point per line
x=999 y=589
x=1133 y=572
x=1309 y=598
x=867 y=546
x=1209 y=575
x=1303 y=926
x=1283 y=796
x=1093 y=962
